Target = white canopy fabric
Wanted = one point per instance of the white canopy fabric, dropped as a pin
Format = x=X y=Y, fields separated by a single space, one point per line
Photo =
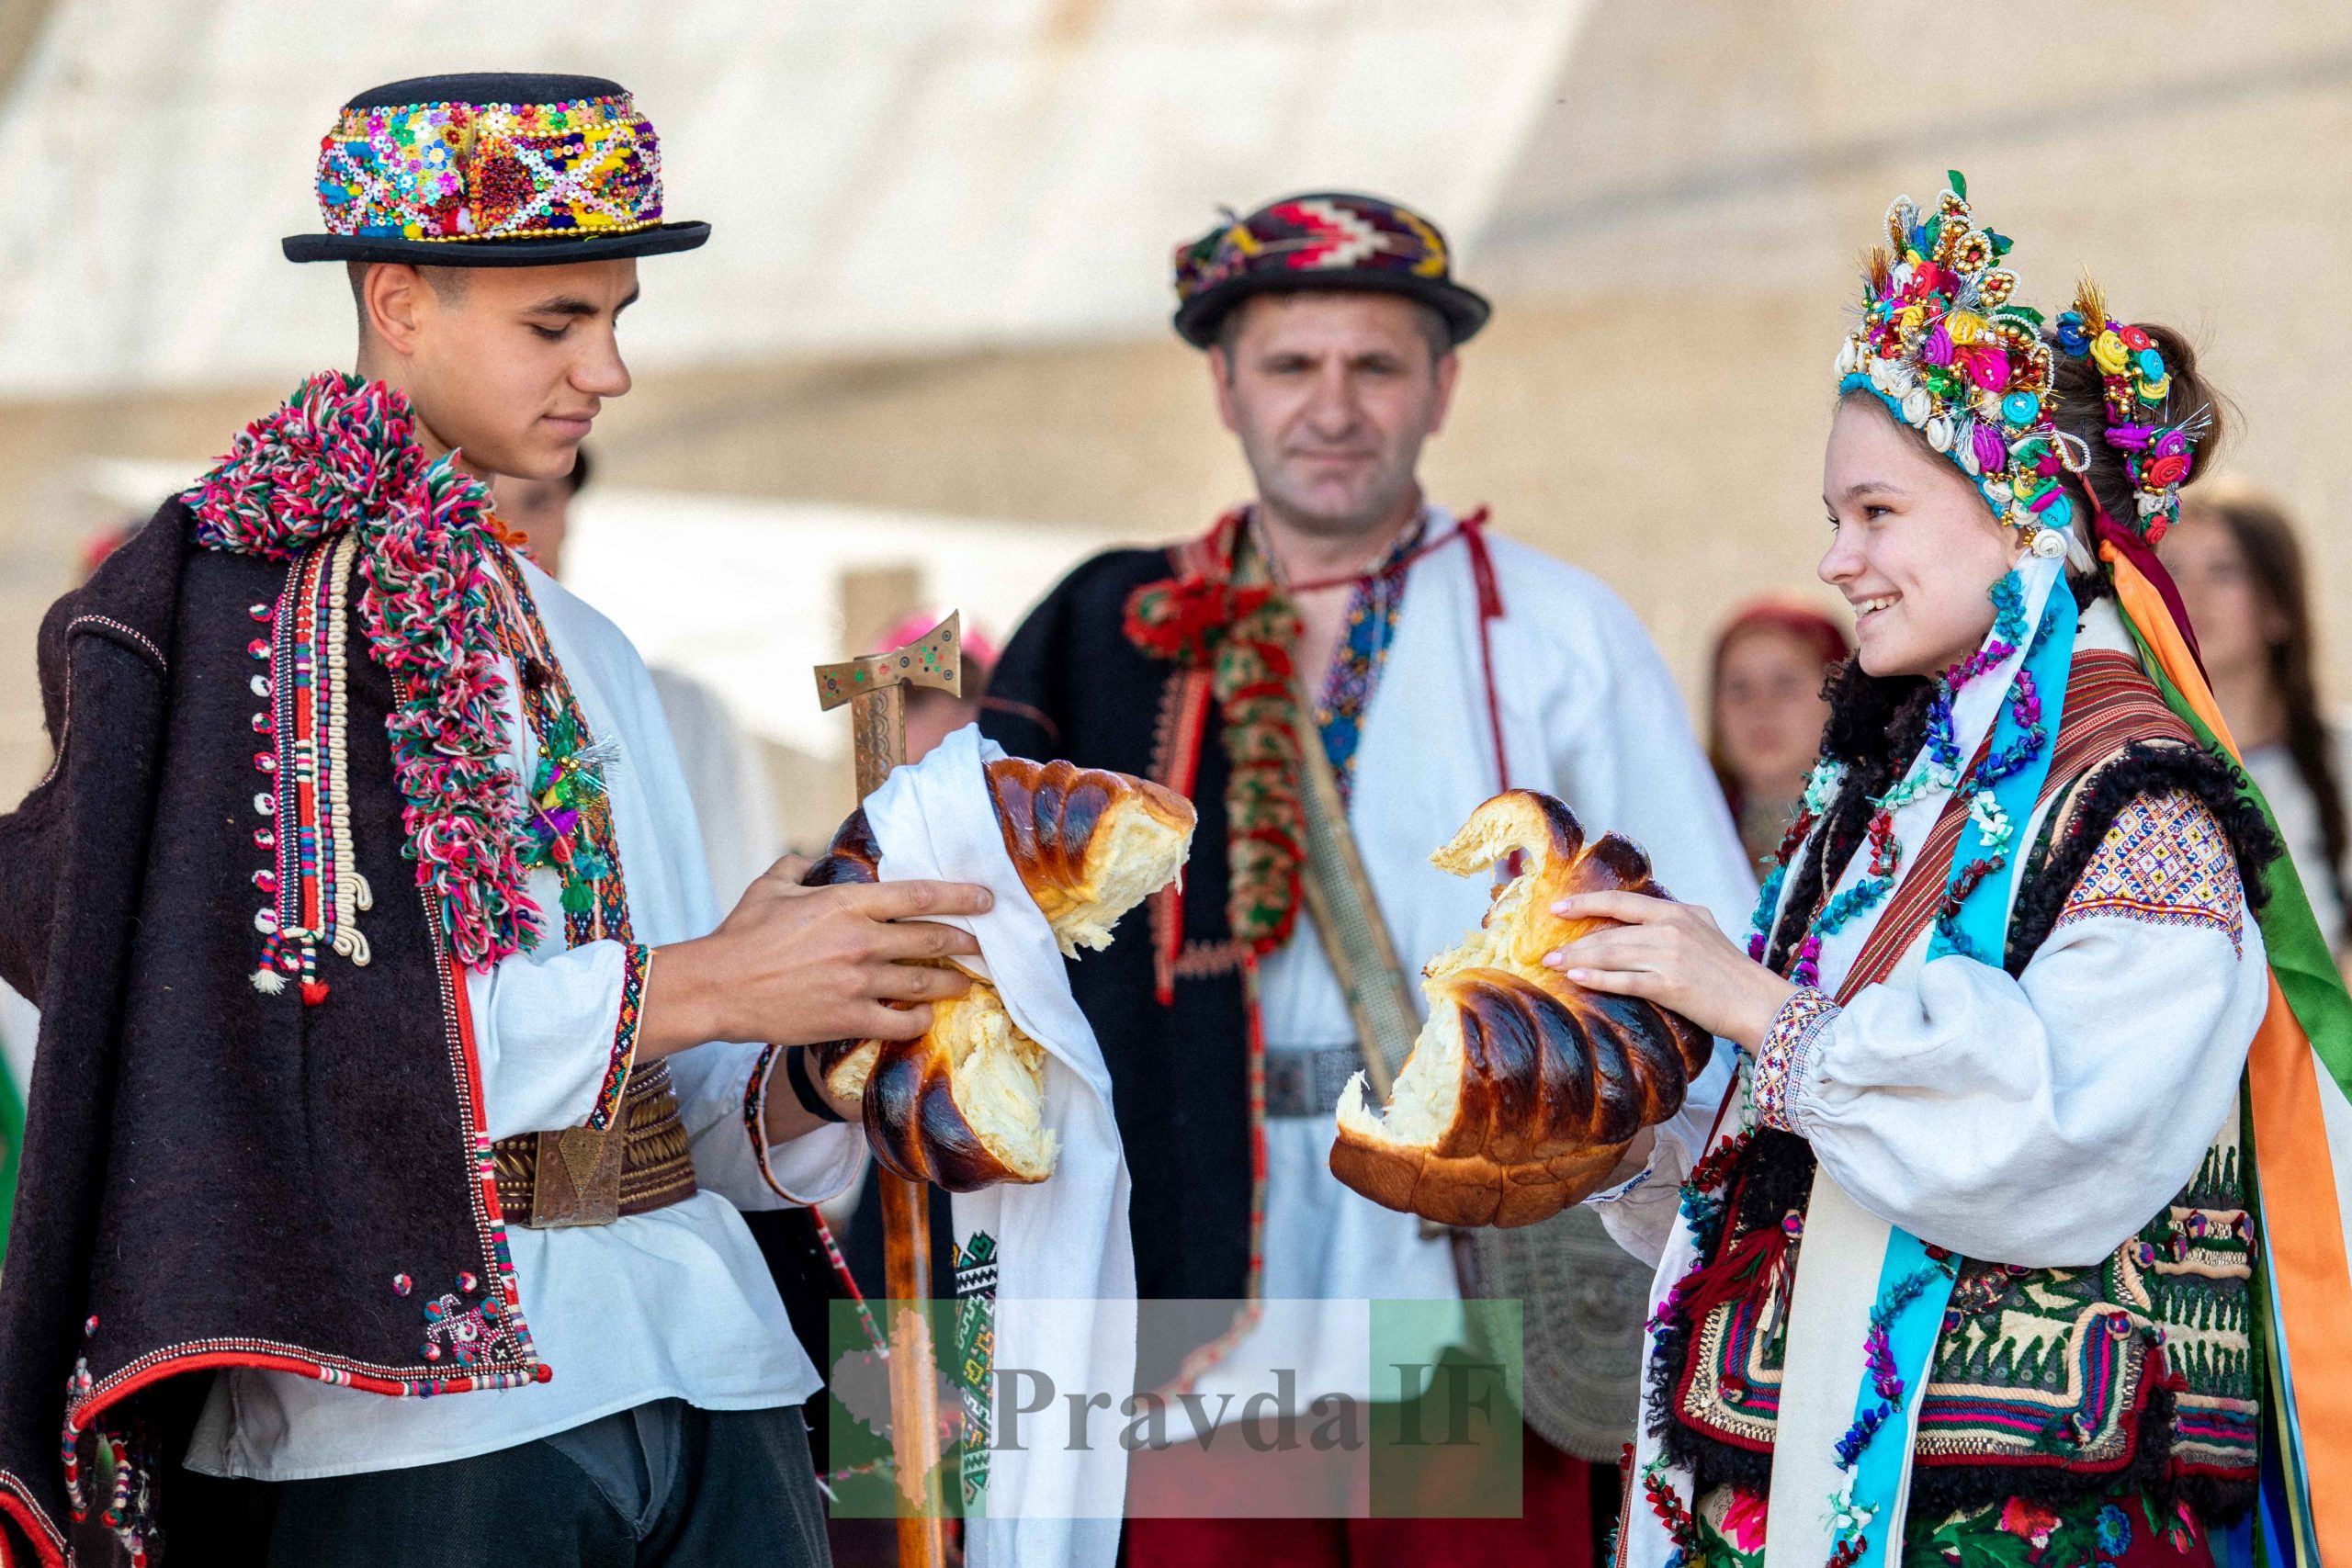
x=899 y=176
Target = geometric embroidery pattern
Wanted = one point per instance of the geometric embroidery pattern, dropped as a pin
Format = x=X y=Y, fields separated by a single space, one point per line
x=1781 y=1058
x=2166 y=862
x=1346 y=696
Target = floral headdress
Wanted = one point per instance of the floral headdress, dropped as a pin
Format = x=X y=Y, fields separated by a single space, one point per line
x=2137 y=385
x=1945 y=347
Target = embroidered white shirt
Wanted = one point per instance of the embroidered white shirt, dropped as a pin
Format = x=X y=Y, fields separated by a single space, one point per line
x=676 y=1304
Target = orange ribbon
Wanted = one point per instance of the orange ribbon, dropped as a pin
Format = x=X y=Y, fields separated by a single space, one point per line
x=2303 y=1225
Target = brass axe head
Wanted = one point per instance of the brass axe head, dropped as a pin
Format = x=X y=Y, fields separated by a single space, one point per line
x=935 y=659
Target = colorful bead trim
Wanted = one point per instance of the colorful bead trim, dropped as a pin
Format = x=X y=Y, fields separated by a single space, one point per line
x=1374 y=606
x=1945 y=351
x=464 y=172
x=341 y=456
x=1850 y=1521
x=315 y=880
x=636 y=962
x=1937 y=767
x=1787 y=1047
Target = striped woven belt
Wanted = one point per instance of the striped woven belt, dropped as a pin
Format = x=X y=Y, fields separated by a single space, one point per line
x=583 y=1176
x=1308 y=1082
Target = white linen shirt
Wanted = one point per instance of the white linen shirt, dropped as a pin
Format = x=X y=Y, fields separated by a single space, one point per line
x=675 y=1303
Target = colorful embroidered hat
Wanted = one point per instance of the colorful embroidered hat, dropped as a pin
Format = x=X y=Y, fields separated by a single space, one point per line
x=1946 y=349
x=492 y=170
x=1328 y=240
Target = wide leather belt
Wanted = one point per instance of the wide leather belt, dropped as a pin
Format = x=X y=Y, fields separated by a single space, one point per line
x=1309 y=1082
x=585 y=1175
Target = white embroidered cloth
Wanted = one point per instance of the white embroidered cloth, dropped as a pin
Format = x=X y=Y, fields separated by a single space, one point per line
x=1065 y=1266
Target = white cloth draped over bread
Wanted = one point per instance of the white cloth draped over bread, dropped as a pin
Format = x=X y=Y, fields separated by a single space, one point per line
x=1066 y=1280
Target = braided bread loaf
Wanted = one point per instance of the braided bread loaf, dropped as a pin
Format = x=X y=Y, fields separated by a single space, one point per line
x=964 y=1105
x=1523 y=1089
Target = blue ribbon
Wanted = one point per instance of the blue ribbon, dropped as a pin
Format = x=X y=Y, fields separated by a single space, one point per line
x=1981 y=927
x=1983 y=921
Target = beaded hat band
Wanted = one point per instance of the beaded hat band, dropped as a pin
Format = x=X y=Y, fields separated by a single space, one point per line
x=482 y=170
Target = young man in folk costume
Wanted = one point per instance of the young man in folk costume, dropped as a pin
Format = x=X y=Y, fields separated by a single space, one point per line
x=1435 y=664
x=367 y=921
x=2005 y=1248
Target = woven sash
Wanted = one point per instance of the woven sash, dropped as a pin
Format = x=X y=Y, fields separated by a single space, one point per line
x=2110 y=703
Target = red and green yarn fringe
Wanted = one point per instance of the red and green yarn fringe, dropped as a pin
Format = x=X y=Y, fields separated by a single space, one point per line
x=341 y=453
x=1243 y=637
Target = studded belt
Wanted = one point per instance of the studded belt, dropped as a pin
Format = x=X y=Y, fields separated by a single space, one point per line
x=1308 y=1082
x=587 y=1176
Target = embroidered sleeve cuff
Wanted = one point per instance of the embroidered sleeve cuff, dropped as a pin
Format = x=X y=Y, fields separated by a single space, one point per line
x=811 y=1168
x=1787 y=1050
x=637 y=963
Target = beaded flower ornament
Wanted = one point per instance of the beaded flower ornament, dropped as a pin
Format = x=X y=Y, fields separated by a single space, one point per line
x=2137 y=385
x=1944 y=345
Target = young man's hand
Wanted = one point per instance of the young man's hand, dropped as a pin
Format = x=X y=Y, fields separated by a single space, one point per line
x=795 y=965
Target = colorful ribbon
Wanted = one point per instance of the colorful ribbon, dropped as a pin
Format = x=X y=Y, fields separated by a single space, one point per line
x=2308 y=1342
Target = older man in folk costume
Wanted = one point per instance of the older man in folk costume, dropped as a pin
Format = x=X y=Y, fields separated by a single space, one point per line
x=2020 y=1240
x=376 y=960
x=1343 y=634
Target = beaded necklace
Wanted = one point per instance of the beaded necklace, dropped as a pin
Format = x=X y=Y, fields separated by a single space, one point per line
x=1936 y=768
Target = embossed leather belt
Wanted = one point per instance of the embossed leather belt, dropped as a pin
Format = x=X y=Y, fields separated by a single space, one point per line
x=1308 y=1082
x=585 y=1176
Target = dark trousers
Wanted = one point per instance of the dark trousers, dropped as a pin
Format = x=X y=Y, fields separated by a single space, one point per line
x=665 y=1483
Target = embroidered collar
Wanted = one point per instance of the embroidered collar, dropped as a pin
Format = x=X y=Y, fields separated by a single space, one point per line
x=342 y=455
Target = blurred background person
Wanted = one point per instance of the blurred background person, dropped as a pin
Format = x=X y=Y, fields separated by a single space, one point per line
x=2241 y=572
x=1765 y=710
x=733 y=801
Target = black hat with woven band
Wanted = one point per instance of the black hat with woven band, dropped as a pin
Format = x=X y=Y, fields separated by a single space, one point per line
x=1328 y=240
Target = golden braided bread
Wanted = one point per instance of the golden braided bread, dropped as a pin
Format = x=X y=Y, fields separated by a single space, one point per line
x=1523 y=1089
x=964 y=1105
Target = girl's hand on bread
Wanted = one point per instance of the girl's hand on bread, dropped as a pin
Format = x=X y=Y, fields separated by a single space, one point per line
x=1673 y=955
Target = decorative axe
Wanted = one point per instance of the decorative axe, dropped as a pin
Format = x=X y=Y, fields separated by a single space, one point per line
x=876 y=691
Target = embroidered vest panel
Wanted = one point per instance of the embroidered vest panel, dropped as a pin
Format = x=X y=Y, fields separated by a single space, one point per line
x=2049 y=1369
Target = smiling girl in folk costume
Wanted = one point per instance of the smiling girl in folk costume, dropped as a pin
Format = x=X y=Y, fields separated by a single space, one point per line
x=1974 y=1266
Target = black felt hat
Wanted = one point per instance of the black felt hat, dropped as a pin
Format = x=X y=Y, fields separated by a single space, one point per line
x=1335 y=240
x=491 y=169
